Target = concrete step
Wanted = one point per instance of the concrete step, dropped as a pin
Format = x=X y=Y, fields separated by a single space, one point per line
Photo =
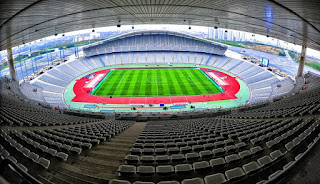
x=101 y=163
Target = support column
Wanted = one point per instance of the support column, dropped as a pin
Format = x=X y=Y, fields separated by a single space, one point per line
x=11 y=65
x=302 y=61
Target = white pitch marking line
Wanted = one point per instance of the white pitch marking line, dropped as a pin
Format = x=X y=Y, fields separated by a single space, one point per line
x=192 y=80
x=120 y=80
x=100 y=87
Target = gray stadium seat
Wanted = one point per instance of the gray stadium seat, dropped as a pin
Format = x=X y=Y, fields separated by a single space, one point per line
x=256 y=150
x=241 y=146
x=202 y=166
x=116 y=181
x=208 y=146
x=244 y=154
x=165 y=169
x=173 y=150
x=217 y=162
x=45 y=163
x=132 y=159
x=193 y=181
x=25 y=151
x=162 y=159
x=290 y=146
x=168 y=182
x=66 y=147
x=177 y=157
x=197 y=148
x=192 y=156
x=271 y=143
x=277 y=154
x=161 y=151
x=127 y=170
x=147 y=151
x=185 y=149
x=207 y=154
x=76 y=150
x=218 y=151
x=135 y=151
x=62 y=156
x=143 y=182
x=219 y=144
x=52 y=152
x=231 y=159
x=230 y=148
x=145 y=170
x=235 y=174
x=265 y=161
x=251 y=168
x=12 y=159
x=215 y=179
x=183 y=168
x=33 y=156
x=147 y=159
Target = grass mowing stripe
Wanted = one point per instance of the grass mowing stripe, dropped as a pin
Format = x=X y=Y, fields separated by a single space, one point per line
x=129 y=87
x=114 y=82
x=192 y=85
x=153 y=88
x=138 y=83
x=189 y=85
x=143 y=86
x=170 y=84
x=148 y=83
x=165 y=84
x=175 y=89
x=124 y=89
x=181 y=83
x=160 y=83
x=204 y=83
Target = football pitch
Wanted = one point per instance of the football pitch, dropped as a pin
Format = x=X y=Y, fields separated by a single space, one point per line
x=155 y=82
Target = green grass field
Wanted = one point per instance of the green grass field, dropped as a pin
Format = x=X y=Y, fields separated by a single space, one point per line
x=155 y=82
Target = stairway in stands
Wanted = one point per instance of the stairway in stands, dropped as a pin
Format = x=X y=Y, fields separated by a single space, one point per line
x=97 y=165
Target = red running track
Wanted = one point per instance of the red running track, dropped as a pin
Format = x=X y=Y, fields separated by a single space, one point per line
x=83 y=96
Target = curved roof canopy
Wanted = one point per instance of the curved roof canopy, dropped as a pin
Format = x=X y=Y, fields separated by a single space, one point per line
x=154 y=41
x=295 y=21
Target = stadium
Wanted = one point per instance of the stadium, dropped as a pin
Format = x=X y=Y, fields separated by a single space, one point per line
x=158 y=106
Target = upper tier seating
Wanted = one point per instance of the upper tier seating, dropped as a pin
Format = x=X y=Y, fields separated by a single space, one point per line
x=155 y=41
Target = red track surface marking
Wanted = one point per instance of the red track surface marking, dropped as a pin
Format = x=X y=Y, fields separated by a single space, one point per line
x=84 y=97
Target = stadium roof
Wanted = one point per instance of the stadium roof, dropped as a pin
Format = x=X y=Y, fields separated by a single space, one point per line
x=156 y=32
x=295 y=21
